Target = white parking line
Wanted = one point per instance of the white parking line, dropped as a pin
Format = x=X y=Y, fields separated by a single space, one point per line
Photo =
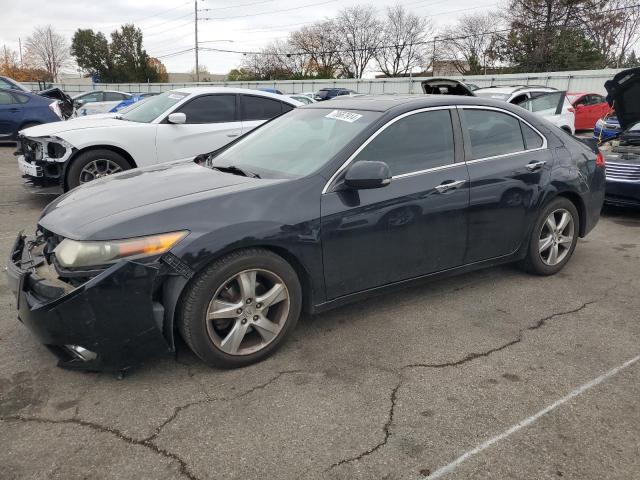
x=529 y=420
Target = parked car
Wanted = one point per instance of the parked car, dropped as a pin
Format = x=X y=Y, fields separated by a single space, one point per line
x=623 y=152
x=98 y=101
x=329 y=93
x=174 y=125
x=554 y=107
x=19 y=109
x=472 y=86
x=445 y=86
x=329 y=203
x=515 y=94
x=302 y=99
x=10 y=84
x=589 y=108
x=606 y=129
x=131 y=100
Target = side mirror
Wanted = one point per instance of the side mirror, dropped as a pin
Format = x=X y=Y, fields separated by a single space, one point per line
x=366 y=174
x=579 y=107
x=177 y=118
x=79 y=103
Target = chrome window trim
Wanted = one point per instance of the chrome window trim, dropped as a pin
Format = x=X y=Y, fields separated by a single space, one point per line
x=502 y=155
x=378 y=132
x=426 y=170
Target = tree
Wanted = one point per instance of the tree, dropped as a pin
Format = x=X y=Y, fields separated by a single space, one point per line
x=321 y=43
x=48 y=50
x=361 y=34
x=403 y=42
x=122 y=60
x=160 y=69
x=631 y=60
x=469 y=44
x=92 y=54
x=544 y=36
x=10 y=67
x=130 y=59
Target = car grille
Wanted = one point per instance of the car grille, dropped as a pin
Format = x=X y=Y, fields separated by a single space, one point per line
x=623 y=171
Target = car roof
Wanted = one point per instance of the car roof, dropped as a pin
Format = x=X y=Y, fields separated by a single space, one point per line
x=383 y=103
x=246 y=91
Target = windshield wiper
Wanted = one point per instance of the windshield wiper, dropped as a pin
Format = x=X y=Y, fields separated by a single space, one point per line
x=236 y=171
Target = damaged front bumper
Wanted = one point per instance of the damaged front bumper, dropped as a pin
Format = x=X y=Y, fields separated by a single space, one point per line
x=42 y=162
x=109 y=323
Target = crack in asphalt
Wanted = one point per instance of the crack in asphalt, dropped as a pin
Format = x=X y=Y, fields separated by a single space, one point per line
x=184 y=468
x=147 y=442
x=386 y=429
x=176 y=411
x=468 y=358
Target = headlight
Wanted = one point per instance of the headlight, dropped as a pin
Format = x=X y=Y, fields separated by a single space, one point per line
x=73 y=253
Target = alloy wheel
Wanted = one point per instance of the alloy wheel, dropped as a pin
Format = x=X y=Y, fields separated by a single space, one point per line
x=556 y=237
x=247 y=312
x=98 y=168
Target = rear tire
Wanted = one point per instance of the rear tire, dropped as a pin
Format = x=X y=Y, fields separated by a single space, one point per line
x=553 y=239
x=241 y=308
x=94 y=164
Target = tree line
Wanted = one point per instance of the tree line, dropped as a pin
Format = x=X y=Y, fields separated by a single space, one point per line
x=47 y=53
x=523 y=36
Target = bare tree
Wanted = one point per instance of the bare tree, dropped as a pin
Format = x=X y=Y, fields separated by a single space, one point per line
x=322 y=44
x=403 y=45
x=470 y=43
x=361 y=35
x=48 y=50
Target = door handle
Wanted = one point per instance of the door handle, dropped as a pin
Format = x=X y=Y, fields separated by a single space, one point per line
x=533 y=166
x=14 y=110
x=450 y=185
x=232 y=135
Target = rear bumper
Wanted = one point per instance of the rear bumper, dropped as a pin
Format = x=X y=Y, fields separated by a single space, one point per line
x=624 y=194
x=109 y=323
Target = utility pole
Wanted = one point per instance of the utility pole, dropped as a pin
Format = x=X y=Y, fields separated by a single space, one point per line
x=20 y=48
x=195 y=4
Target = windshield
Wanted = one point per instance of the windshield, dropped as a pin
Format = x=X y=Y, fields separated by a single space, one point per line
x=494 y=95
x=549 y=104
x=153 y=107
x=296 y=143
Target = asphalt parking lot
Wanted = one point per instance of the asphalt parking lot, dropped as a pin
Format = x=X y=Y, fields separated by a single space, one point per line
x=494 y=374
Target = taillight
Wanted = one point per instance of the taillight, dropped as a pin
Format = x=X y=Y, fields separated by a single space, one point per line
x=600 y=160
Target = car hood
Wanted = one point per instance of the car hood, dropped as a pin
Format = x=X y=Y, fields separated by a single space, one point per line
x=66 y=103
x=80 y=123
x=623 y=94
x=122 y=198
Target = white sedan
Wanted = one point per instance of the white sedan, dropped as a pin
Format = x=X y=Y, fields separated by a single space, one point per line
x=98 y=101
x=175 y=125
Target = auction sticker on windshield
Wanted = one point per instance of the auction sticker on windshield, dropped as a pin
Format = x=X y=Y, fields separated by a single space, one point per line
x=344 y=116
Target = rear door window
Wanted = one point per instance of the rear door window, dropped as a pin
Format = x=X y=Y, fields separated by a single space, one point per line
x=6 y=98
x=114 y=97
x=259 y=108
x=416 y=142
x=210 y=109
x=492 y=133
x=531 y=138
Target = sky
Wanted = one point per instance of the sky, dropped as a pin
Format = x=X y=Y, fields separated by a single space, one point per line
x=168 y=25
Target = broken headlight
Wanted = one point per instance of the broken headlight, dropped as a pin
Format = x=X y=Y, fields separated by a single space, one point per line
x=73 y=253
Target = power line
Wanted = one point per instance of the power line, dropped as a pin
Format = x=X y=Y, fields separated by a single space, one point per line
x=236 y=6
x=273 y=11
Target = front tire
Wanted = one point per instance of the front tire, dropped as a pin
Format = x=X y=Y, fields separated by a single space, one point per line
x=554 y=238
x=241 y=308
x=94 y=164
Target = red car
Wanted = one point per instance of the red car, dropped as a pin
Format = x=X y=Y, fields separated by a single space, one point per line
x=588 y=107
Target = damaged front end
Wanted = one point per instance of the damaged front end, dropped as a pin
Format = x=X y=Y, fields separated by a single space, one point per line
x=107 y=319
x=42 y=161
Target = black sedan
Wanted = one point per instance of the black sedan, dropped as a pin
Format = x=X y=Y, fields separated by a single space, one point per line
x=329 y=203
